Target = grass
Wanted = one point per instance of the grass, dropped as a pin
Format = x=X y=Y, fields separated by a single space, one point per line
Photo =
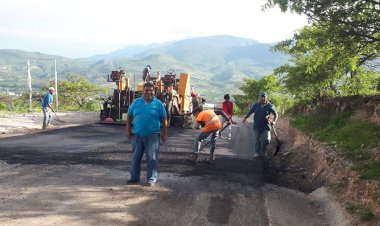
x=365 y=214
x=352 y=136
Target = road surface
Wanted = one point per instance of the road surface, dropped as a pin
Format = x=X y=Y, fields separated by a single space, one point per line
x=77 y=176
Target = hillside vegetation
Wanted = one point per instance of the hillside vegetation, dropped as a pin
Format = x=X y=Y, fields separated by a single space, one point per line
x=217 y=64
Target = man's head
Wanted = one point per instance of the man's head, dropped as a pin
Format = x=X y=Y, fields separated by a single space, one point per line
x=227 y=96
x=196 y=111
x=148 y=91
x=51 y=90
x=263 y=97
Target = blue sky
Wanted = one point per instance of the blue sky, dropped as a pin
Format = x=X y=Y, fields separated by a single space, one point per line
x=82 y=28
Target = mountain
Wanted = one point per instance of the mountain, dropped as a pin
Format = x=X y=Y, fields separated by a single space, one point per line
x=217 y=64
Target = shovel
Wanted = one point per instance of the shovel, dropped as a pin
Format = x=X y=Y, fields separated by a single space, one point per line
x=278 y=141
x=56 y=116
x=215 y=138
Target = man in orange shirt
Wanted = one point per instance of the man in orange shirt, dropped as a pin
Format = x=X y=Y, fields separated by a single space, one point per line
x=210 y=122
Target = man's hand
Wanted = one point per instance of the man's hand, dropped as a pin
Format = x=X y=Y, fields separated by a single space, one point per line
x=164 y=135
x=270 y=120
x=129 y=134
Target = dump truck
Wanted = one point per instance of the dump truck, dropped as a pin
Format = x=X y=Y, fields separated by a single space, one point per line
x=173 y=91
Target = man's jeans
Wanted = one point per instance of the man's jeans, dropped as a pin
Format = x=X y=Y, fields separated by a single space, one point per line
x=202 y=136
x=261 y=140
x=47 y=117
x=151 y=146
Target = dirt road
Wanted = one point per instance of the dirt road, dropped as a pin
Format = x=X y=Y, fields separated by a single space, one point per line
x=76 y=176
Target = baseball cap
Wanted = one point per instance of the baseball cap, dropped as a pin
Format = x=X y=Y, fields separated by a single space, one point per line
x=263 y=94
x=51 y=88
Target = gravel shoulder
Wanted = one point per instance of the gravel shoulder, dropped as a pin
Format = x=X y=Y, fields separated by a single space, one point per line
x=19 y=124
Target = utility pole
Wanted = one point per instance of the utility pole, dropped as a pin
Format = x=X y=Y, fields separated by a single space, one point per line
x=30 y=81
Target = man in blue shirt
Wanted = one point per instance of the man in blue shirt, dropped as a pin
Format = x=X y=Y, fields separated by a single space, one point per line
x=146 y=115
x=262 y=124
x=47 y=107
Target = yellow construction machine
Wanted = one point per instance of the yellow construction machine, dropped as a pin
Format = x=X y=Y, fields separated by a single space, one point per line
x=172 y=91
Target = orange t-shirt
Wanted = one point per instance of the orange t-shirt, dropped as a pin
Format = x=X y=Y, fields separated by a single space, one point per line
x=210 y=119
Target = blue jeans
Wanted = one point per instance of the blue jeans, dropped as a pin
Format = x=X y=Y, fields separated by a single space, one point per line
x=261 y=140
x=47 y=117
x=203 y=135
x=151 y=146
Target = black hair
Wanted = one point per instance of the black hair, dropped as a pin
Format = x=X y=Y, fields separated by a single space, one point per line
x=148 y=84
x=196 y=110
x=226 y=96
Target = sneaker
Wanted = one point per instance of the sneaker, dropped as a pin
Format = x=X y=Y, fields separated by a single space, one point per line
x=255 y=155
x=229 y=138
x=150 y=183
x=132 y=181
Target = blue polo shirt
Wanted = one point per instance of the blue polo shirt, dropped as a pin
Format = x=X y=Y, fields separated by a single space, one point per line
x=48 y=98
x=146 y=116
x=259 y=121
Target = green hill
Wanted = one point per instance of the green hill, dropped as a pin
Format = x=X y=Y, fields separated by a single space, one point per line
x=217 y=64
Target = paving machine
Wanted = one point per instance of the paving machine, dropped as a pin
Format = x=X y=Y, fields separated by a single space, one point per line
x=114 y=109
x=172 y=91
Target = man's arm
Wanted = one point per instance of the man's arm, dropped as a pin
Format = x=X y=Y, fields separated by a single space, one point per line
x=51 y=107
x=49 y=103
x=248 y=114
x=128 y=126
x=164 y=129
x=222 y=113
x=275 y=116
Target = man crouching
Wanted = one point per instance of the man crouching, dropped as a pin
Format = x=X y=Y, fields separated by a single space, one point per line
x=210 y=122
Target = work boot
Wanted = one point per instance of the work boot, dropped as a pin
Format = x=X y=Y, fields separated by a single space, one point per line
x=132 y=181
x=211 y=159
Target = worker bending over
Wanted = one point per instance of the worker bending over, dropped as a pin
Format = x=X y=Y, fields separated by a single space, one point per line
x=210 y=122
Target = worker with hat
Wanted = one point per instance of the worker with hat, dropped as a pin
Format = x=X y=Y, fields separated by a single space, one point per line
x=47 y=107
x=210 y=122
x=262 y=122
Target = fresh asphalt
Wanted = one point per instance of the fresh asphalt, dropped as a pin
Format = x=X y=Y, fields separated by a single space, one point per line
x=231 y=191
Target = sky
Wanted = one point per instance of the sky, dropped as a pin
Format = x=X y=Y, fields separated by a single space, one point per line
x=83 y=28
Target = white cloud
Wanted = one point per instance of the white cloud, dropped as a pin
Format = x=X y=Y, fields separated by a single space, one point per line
x=115 y=24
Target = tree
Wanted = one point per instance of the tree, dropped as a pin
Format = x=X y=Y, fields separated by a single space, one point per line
x=351 y=24
x=76 y=91
x=252 y=89
x=319 y=67
x=357 y=19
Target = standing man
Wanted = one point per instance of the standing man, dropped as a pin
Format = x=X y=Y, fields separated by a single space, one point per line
x=262 y=124
x=228 y=108
x=146 y=116
x=47 y=107
x=209 y=120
